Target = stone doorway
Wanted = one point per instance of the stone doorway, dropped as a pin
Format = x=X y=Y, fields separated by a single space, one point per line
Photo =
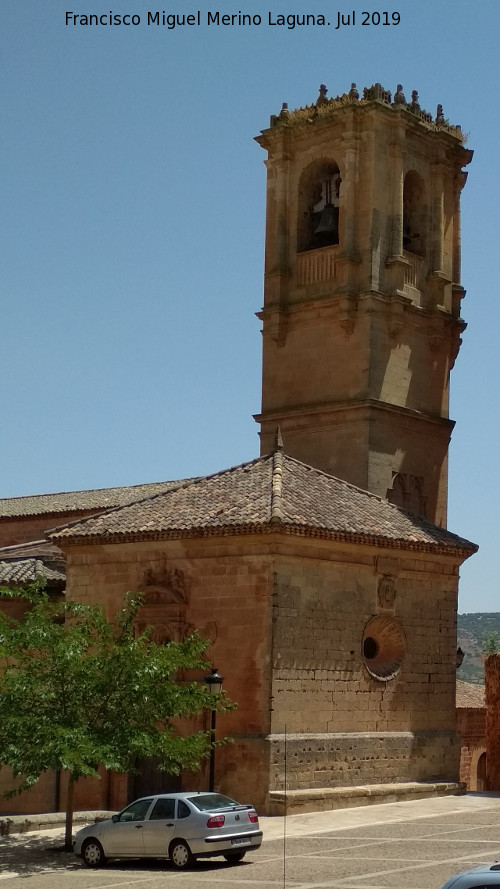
x=150 y=780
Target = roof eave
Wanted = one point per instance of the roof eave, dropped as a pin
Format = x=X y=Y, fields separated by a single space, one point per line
x=461 y=549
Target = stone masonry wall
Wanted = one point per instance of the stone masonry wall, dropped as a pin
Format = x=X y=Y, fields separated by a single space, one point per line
x=321 y=684
x=348 y=759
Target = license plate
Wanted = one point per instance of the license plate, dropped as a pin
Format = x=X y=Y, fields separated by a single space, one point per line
x=240 y=841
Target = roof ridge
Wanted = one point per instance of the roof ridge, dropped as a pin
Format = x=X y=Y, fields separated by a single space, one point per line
x=277 y=486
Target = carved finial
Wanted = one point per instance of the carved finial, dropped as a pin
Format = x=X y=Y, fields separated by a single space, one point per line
x=439 y=114
x=414 y=101
x=353 y=92
x=322 y=95
x=278 y=442
x=284 y=110
x=399 y=96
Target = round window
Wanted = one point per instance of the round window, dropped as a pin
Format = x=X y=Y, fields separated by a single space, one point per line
x=383 y=647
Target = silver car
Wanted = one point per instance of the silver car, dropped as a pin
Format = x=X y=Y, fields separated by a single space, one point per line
x=178 y=826
x=486 y=875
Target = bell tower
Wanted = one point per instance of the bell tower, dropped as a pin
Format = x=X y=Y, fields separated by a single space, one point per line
x=362 y=294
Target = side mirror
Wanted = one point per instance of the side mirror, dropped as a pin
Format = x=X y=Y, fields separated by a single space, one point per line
x=115 y=818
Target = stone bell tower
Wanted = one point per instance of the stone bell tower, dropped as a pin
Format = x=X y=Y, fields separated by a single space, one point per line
x=361 y=316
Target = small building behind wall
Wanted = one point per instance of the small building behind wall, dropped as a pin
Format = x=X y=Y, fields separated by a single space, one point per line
x=471 y=728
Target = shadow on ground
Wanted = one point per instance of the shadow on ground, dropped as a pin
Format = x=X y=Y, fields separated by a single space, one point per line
x=26 y=856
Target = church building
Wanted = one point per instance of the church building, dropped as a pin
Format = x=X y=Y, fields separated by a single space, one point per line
x=322 y=571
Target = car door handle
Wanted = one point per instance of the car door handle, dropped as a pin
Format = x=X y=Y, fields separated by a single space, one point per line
x=138 y=826
x=170 y=825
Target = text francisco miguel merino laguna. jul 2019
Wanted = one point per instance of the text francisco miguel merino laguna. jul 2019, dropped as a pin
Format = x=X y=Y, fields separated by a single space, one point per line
x=170 y=20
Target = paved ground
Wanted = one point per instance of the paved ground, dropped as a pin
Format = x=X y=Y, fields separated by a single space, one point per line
x=417 y=845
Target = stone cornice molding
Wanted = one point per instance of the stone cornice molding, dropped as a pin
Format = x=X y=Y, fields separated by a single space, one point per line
x=459 y=550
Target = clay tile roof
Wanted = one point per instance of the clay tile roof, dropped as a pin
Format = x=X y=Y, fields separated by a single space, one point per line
x=24 y=562
x=23 y=571
x=469 y=695
x=79 y=501
x=271 y=492
x=40 y=549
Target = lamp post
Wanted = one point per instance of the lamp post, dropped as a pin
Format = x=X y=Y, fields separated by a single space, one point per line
x=214 y=681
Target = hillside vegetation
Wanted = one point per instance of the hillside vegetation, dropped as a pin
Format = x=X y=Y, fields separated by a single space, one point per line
x=472 y=630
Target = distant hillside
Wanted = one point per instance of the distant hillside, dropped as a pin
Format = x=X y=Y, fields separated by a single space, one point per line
x=472 y=630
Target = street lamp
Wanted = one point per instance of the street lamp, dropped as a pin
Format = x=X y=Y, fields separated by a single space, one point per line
x=214 y=681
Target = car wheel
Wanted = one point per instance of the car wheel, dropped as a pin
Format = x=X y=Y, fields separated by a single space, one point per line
x=93 y=853
x=234 y=857
x=180 y=854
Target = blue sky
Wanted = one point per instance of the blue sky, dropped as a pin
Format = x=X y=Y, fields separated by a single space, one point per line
x=132 y=256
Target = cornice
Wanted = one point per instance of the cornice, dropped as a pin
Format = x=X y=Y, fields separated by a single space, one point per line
x=380 y=541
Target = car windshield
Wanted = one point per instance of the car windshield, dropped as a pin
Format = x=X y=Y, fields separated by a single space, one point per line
x=206 y=802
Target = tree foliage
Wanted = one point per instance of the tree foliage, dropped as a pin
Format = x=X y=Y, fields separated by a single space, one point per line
x=77 y=690
x=491 y=644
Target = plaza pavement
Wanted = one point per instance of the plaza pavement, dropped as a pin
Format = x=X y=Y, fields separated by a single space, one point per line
x=416 y=844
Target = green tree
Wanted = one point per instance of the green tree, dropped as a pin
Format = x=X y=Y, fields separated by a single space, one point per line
x=77 y=691
x=491 y=643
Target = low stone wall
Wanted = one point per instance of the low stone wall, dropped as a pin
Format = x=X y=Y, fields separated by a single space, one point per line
x=10 y=824
x=329 y=798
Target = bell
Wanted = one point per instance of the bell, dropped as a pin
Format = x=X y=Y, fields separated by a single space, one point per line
x=327 y=224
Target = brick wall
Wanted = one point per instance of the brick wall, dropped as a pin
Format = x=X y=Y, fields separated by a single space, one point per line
x=43 y=797
x=26 y=528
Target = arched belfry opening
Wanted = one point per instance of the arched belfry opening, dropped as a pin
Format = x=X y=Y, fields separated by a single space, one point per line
x=414 y=214
x=407 y=492
x=318 y=206
x=397 y=493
